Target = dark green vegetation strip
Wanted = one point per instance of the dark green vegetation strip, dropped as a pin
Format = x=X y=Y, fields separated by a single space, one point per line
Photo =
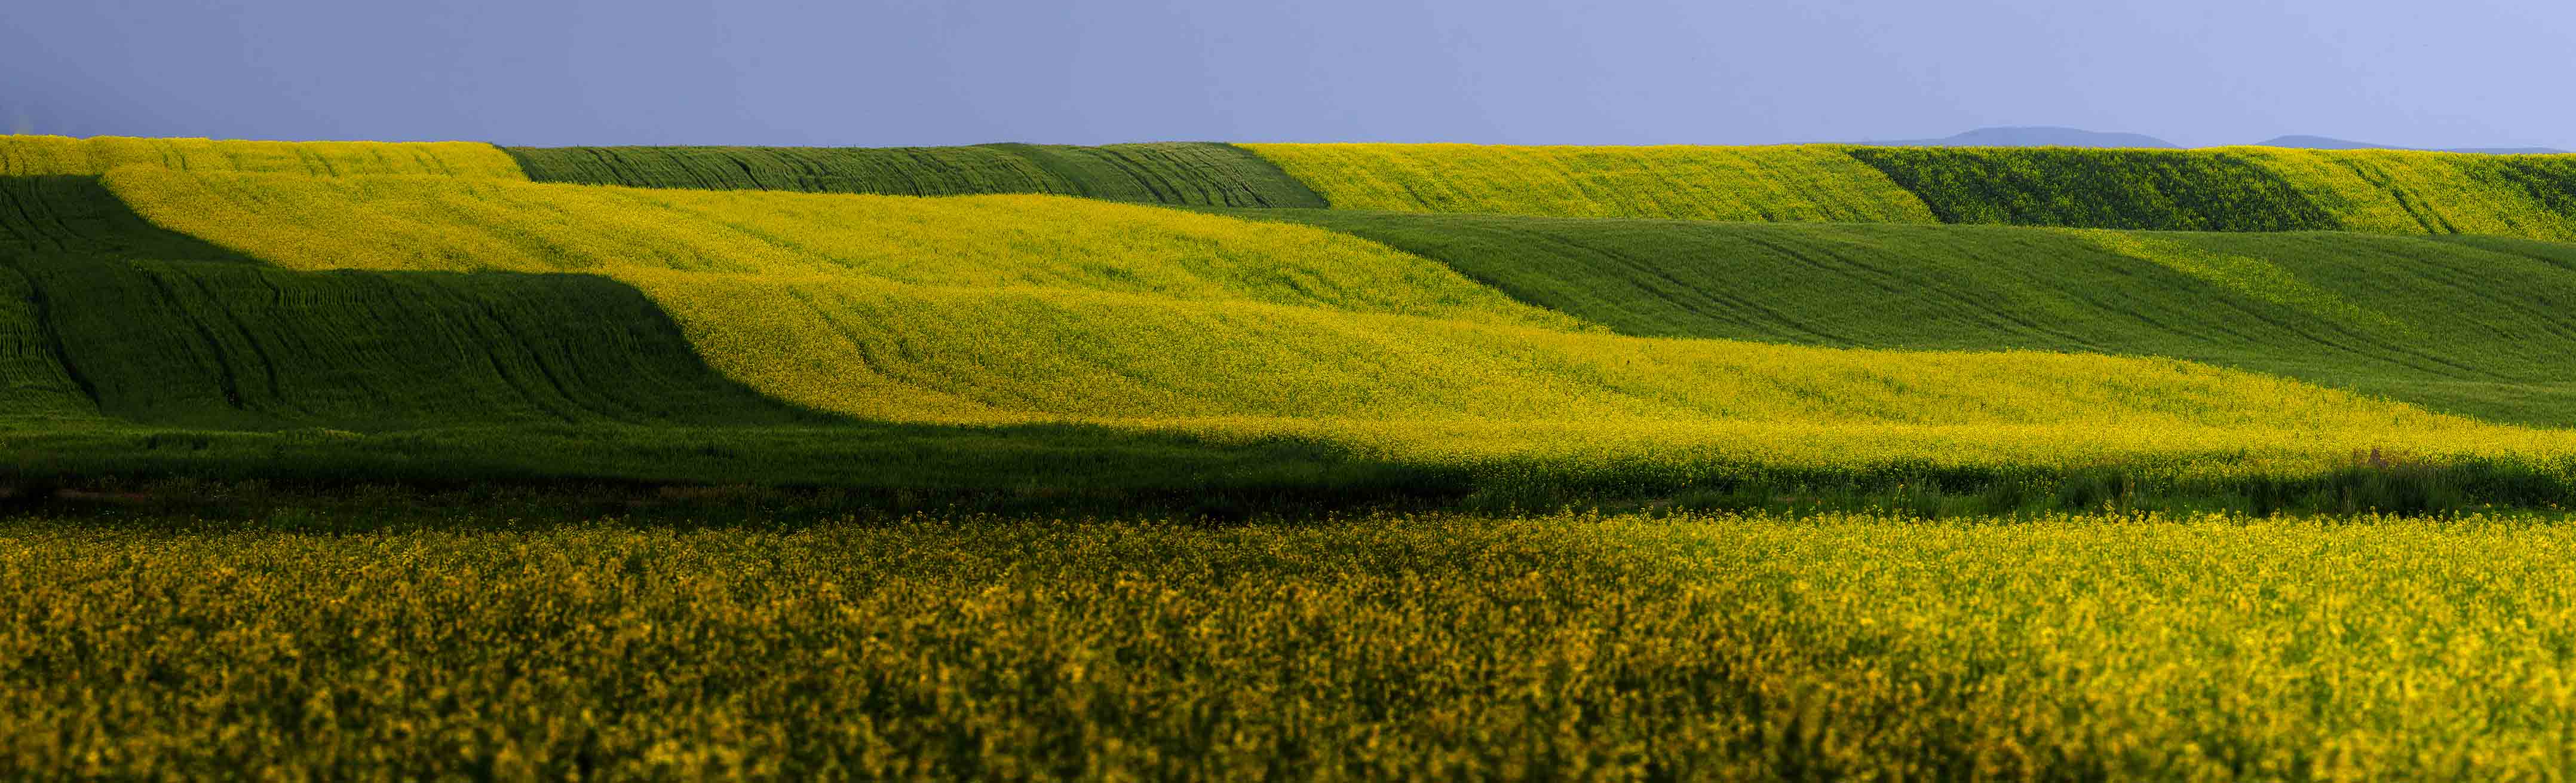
x=2473 y=326
x=340 y=480
x=103 y=314
x=2098 y=188
x=1201 y=174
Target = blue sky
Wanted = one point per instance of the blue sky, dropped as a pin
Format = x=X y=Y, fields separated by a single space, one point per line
x=889 y=72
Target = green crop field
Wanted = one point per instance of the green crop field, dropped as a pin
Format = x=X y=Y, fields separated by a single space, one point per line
x=2459 y=325
x=2097 y=189
x=936 y=311
x=121 y=319
x=345 y=460
x=1199 y=174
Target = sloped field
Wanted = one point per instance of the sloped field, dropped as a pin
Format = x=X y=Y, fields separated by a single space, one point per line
x=106 y=315
x=1788 y=183
x=2239 y=189
x=2470 y=328
x=2406 y=192
x=57 y=155
x=2087 y=188
x=1172 y=173
x=1019 y=308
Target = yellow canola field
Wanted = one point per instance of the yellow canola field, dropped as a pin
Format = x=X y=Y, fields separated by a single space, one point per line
x=997 y=309
x=1714 y=647
x=2411 y=192
x=1786 y=183
x=22 y=156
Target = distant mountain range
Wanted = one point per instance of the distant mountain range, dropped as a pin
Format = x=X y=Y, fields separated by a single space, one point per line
x=2047 y=136
x=2324 y=143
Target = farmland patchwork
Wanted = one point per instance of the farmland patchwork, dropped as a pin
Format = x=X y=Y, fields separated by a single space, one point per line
x=1646 y=317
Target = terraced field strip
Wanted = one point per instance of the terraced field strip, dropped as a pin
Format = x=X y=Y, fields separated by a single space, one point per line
x=22 y=156
x=1168 y=173
x=1032 y=308
x=106 y=314
x=1786 y=183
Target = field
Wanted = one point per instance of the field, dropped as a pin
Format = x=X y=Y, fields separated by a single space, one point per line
x=130 y=322
x=351 y=460
x=1187 y=174
x=891 y=313
x=2393 y=317
x=29 y=156
x=1697 y=183
x=1695 y=647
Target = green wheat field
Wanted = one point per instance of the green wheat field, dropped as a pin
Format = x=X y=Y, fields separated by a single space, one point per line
x=379 y=461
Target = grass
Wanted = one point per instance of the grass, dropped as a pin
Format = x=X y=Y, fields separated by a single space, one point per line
x=1789 y=183
x=29 y=156
x=1169 y=173
x=2387 y=316
x=1015 y=309
x=121 y=319
x=1439 y=647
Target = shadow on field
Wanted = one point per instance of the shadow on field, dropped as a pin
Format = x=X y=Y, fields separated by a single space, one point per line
x=324 y=480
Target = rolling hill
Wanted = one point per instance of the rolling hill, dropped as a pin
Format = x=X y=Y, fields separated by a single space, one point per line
x=23 y=156
x=115 y=318
x=2226 y=189
x=1000 y=309
x=446 y=323
x=1178 y=173
x=1786 y=183
x=2470 y=326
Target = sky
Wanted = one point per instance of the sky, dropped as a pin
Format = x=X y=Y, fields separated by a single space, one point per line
x=2461 y=73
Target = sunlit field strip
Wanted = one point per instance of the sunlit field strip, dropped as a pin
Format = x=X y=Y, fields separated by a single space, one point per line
x=1785 y=183
x=58 y=155
x=2222 y=189
x=2408 y=192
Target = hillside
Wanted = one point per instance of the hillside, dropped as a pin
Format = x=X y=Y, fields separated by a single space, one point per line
x=114 y=317
x=1192 y=174
x=22 y=156
x=2230 y=189
x=426 y=319
x=2225 y=189
x=1787 y=183
x=934 y=310
x=2472 y=327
